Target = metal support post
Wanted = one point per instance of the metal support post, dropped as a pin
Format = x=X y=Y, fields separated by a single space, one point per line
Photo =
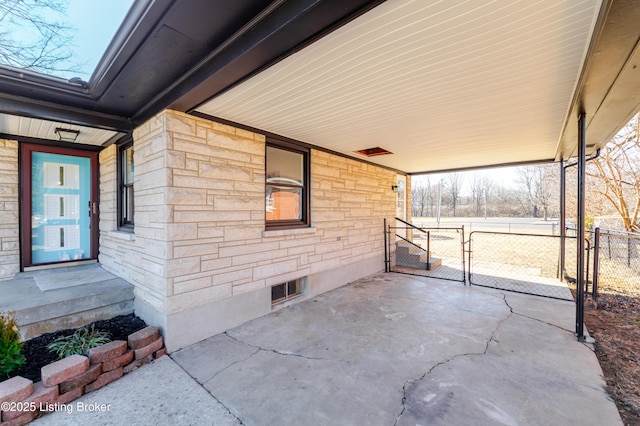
x=563 y=222
x=596 y=262
x=582 y=147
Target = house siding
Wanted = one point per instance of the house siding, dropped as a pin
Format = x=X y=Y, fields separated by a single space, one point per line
x=9 y=213
x=200 y=246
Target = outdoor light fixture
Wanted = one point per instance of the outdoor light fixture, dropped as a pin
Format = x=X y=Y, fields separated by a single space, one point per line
x=394 y=188
x=67 y=135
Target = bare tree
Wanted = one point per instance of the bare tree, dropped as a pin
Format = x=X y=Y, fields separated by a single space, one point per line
x=422 y=198
x=540 y=184
x=616 y=174
x=453 y=186
x=34 y=37
x=481 y=190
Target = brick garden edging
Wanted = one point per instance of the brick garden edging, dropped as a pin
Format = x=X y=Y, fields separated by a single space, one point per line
x=70 y=378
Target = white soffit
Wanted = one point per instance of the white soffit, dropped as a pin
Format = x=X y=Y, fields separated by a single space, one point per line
x=441 y=84
x=45 y=129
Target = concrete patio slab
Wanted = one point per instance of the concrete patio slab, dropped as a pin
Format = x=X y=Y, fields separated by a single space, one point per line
x=394 y=349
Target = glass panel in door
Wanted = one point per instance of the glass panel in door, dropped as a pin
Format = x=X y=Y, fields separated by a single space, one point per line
x=60 y=208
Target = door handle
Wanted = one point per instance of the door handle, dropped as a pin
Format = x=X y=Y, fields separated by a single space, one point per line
x=95 y=208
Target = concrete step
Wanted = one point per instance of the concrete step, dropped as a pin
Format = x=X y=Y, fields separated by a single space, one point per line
x=410 y=256
x=70 y=306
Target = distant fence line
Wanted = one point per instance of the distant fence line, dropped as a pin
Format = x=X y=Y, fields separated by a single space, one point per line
x=551 y=227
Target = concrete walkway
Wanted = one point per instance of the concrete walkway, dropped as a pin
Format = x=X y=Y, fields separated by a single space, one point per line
x=389 y=349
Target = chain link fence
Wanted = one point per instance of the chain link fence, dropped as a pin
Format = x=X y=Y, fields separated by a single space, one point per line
x=523 y=263
x=619 y=263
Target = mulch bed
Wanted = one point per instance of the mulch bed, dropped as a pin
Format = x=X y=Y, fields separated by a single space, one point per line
x=37 y=355
x=614 y=322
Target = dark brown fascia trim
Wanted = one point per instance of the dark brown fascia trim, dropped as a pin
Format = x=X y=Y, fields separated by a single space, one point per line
x=139 y=23
x=21 y=77
x=491 y=166
x=51 y=142
x=118 y=139
x=294 y=142
x=32 y=108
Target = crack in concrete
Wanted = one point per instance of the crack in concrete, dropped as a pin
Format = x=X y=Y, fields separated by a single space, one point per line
x=277 y=352
x=404 y=394
x=484 y=352
x=532 y=318
x=230 y=365
x=493 y=334
x=543 y=322
x=227 y=409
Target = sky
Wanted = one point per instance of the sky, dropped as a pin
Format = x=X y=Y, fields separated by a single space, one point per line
x=96 y=22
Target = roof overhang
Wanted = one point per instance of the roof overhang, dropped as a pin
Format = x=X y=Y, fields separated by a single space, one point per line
x=442 y=85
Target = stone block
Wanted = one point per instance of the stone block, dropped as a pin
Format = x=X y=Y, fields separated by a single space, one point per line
x=104 y=379
x=144 y=337
x=149 y=349
x=21 y=420
x=15 y=389
x=82 y=379
x=137 y=363
x=63 y=370
x=70 y=395
x=120 y=361
x=107 y=351
x=41 y=395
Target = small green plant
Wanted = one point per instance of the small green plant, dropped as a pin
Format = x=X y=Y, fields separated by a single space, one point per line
x=11 y=356
x=79 y=342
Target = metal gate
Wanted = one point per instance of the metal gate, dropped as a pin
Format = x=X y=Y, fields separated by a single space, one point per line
x=428 y=252
x=523 y=263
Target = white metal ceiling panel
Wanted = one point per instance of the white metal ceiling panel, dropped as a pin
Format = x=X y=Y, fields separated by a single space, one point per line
x=441 y=84
x=44 y=129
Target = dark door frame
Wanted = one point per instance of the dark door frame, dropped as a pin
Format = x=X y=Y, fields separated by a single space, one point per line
x=26 y=151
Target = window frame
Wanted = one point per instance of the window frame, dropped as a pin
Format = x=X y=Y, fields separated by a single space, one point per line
x=304 y=221
x=124 y=223
x=298 y=291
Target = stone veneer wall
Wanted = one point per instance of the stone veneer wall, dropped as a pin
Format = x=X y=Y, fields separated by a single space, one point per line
x=200 y=257
x=138 y=257
x=9 y=221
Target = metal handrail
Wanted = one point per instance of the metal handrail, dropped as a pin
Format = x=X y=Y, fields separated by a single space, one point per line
x=414 y=244
x=411 y=225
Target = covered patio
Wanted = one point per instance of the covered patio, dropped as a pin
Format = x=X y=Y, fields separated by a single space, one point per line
x=195 y=93
x=387 y=349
